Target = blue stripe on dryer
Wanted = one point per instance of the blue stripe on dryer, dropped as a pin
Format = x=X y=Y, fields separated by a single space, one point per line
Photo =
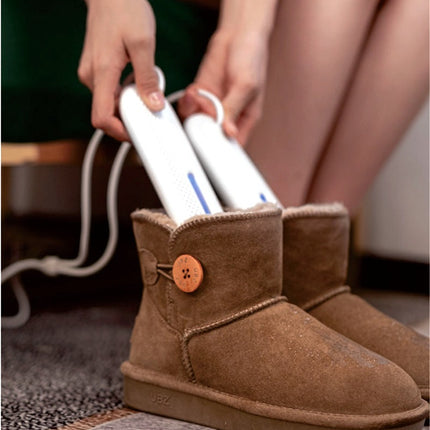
x=198 y=192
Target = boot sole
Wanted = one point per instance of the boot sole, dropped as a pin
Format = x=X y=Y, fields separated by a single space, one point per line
x=173 y=403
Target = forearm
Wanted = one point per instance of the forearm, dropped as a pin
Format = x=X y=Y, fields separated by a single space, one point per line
x=247 y=16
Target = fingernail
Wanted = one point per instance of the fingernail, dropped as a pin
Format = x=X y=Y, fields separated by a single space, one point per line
x=156 y=100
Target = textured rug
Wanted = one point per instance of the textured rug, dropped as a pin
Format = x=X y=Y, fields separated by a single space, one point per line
x=63 y=366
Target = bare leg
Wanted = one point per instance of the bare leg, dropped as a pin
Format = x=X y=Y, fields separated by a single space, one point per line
x=390 y=85
x=314 y=48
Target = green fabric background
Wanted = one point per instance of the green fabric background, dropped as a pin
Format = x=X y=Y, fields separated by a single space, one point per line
x=42 y=98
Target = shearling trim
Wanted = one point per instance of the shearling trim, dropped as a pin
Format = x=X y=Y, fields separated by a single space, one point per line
x=315 y=210
x=264 y=210
x=154 y=216
x=258 y=208
x=161 y=218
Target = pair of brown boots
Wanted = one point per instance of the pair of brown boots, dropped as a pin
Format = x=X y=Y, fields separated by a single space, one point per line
x=217 y=343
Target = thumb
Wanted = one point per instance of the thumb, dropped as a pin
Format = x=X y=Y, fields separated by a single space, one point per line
x=236 y=100
x=146 y=79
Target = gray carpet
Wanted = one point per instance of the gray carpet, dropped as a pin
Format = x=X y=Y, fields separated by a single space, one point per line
x=63 y=366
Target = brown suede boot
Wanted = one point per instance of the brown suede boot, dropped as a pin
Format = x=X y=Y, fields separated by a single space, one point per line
x=215 y=343
x=315 y=264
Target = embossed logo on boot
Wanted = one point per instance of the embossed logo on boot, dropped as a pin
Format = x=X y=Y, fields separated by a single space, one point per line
x=161 y=399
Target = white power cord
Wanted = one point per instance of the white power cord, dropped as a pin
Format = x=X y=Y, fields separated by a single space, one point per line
x=23 y=314
x=45 y=265
x=53 y=265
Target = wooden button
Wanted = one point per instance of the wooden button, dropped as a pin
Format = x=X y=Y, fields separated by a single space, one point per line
x=187 y=273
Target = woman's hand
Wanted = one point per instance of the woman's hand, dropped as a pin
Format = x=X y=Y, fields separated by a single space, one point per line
x=234 y=66
x=118 y=32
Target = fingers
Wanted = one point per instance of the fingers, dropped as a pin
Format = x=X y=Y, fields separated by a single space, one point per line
x=105 y=90
x=238 y=100
x=118 y=32
x=242 y=109
x=141 y=52
x=187 y=105
x=85 y=69
x=210 y=76
x=193 y=102
x=247 y=122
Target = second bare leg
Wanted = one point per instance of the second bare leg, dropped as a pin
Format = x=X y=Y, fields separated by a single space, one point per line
x=314 y=47
x=390 y=85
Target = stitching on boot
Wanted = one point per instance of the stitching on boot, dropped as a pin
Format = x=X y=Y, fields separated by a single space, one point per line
x=175 y=332
x=186 y=360
x=170 y=303
x=189 y=333
x=324 y=297
x=323 y=211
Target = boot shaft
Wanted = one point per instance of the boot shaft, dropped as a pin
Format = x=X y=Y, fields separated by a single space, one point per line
x=315 y=252
x=235 y=257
